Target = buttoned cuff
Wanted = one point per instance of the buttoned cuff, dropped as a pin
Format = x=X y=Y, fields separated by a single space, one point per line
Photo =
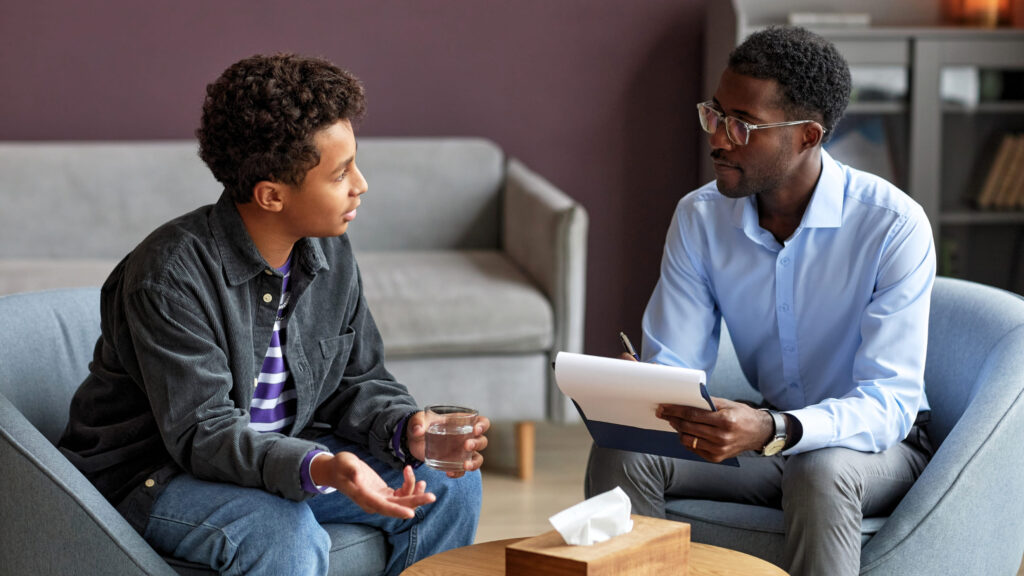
x=399 y=445
x=818 y=430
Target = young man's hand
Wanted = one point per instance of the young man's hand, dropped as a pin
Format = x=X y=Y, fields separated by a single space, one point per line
x=733 y=429
x=355 y=479
x=416 y=434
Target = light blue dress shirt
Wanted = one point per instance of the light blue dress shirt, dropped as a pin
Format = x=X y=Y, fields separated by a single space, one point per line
x=831 y=326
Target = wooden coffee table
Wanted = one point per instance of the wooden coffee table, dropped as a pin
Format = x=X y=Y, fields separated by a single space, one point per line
x=488 y=559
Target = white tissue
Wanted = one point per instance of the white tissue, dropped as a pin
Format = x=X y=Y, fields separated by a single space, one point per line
x=594 y=520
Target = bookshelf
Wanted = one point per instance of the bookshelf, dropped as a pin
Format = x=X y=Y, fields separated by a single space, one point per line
x=940 y=125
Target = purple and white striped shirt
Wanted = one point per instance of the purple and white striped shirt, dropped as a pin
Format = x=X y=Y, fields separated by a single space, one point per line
x=274 y=401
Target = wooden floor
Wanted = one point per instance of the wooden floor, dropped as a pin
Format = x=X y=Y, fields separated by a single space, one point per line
x=513 y=509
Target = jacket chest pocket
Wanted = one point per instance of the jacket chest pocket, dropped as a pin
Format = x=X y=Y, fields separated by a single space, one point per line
x=334 y=353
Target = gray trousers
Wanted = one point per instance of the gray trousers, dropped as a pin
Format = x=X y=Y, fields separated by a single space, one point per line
x=823 y=494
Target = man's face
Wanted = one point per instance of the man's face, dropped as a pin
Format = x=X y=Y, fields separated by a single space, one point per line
x=326 y=201
x=763 y=164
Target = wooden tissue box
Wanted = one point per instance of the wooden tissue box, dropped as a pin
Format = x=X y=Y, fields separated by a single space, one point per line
x=654 y=547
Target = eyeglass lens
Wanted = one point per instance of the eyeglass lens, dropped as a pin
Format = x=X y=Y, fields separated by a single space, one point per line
x=734 y=129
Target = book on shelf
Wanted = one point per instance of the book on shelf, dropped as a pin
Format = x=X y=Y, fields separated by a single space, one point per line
x=1011 y=188
x=1016 y=177
x=997 y=186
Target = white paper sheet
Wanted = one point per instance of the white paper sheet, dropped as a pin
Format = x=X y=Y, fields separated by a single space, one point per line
x=623 y=392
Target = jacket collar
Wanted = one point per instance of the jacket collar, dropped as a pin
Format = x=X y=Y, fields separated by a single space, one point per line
x=241 y=260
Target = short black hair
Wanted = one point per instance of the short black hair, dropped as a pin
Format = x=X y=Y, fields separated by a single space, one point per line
x=813 y=76
x=261 y=114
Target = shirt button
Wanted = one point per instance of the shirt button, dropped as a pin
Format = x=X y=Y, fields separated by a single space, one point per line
x=789 y=348
x=785 y=261
x=792 y=384
x=150 y=483
x=268 y=272
x=784 y=307
x=268 y=298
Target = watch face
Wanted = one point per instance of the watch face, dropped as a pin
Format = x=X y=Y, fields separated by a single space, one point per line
x=774 y=447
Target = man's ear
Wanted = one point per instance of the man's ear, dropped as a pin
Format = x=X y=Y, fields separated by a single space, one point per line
x=269 y=195
x=813 y=133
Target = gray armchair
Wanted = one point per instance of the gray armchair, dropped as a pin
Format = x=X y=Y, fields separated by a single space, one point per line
x=964 y=514
x=52 y=520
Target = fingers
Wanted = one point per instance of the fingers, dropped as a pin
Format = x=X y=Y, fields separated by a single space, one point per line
x=475 y=444
x=483 y=424
x=665 y=411
x=399 y=506
x=627 y=356
x=696 y=428
x=409 y=484
x=416 y=428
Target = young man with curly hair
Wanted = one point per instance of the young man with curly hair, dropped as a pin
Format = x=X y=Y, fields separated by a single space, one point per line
x=823 y=274
x=238 y=396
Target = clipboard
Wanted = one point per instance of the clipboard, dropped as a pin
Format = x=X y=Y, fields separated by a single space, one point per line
x=616 y=400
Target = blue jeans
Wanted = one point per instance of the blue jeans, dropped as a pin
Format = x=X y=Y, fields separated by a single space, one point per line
x=238 y=530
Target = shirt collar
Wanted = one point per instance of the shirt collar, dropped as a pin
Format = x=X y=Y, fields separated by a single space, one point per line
x=825 y=209
x=241 y=259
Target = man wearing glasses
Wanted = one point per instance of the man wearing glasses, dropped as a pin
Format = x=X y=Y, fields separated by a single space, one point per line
x=823 y=274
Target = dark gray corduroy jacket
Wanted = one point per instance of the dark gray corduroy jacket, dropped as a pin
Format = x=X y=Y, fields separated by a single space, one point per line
x=186 y=320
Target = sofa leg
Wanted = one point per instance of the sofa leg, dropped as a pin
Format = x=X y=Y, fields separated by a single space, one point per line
x=525 y=437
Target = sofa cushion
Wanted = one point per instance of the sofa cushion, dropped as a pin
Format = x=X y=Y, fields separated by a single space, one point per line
x=454 y=302
x=30 y=275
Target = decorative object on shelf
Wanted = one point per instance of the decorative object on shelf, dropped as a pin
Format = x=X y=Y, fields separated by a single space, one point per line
x=983 y=13
x=830 y=19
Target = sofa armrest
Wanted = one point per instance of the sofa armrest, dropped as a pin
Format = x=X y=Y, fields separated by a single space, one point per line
x=52 y=519
x=544 y=231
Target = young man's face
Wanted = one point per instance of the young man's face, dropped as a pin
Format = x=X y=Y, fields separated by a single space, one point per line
x=326 y=201
x=763 y=164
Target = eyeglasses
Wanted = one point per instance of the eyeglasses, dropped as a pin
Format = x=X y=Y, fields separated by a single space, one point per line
x=737 y=130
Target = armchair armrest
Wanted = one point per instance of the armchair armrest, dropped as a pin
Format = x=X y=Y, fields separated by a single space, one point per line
x=52 y=520
x=552 y=249
x=959 y=510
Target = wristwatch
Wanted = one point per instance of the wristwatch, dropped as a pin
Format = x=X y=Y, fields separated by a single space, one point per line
x=778 y=441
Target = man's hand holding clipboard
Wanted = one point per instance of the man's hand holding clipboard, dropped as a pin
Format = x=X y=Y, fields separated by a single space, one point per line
x=620 y=402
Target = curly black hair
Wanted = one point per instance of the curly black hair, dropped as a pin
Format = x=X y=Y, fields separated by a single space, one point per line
x=260 y=116
x=813 y=76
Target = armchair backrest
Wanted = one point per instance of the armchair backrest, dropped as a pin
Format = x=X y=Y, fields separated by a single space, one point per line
x=45 y=349
x=967 y=322
x=969 y=328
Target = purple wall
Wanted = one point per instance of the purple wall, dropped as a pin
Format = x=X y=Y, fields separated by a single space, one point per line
x=596 y=95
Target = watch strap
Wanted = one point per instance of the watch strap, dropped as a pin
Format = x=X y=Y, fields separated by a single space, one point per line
x=780 y=428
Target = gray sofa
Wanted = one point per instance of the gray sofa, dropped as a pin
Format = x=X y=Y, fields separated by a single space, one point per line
x=472 y=264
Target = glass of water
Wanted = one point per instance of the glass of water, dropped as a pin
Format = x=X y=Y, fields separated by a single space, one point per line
x=448 y=428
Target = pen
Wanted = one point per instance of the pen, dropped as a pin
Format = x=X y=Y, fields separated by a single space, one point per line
x=628 y=346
